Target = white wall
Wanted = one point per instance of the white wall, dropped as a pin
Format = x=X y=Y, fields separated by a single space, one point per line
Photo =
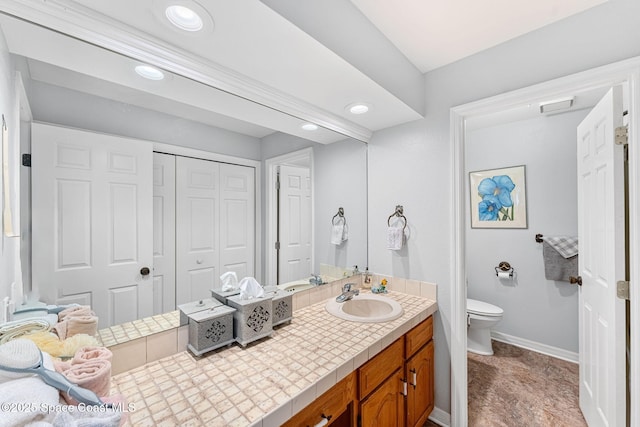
x=340 y=172
x=410 y=164
x=9 y=246
x=536 y=309
x=340 y=179
x=54 y=104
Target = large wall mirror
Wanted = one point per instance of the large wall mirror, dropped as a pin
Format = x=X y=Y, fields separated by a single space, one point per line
x=305 y=185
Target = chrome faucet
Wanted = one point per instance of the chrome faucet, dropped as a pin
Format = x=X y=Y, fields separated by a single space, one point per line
x=347 y=292
x=315 y=280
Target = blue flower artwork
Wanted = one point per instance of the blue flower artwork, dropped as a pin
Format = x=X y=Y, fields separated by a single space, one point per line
x=499 y=198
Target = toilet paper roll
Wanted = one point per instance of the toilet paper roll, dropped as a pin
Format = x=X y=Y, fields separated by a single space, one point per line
x=504 y=275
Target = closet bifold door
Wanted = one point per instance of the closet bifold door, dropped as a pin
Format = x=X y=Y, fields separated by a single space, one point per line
x=197 y=228
x=237 y=220
x=164 y=233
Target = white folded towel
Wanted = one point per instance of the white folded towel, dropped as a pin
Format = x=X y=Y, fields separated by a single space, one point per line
x=229 y=281
x=250 y=288
x=395 y=238
x=339 y=233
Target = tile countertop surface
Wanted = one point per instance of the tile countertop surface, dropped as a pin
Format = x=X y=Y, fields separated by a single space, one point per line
x=267 y=382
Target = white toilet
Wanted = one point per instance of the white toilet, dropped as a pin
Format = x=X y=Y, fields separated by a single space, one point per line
x=481 y=317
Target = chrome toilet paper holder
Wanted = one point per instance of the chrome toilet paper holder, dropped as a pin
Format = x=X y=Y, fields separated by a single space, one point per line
x=504 y=267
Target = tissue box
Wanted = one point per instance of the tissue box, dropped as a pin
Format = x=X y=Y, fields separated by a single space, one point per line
x=222 y=296
x=282 y=304
x=210 y=325
x=193 y=307
x=252 y=319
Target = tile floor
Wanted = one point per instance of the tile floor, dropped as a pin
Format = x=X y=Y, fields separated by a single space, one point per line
x=518 y=387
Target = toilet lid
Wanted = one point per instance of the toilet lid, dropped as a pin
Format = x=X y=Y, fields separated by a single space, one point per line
x=483 y=308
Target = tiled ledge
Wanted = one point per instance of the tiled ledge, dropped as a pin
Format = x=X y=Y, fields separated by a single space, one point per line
x=270 y=380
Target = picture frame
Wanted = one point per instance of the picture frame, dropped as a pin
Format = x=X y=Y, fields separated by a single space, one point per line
x=498 y=198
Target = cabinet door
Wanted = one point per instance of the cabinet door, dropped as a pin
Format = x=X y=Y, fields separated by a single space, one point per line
x=385 y=406
x=419 y=372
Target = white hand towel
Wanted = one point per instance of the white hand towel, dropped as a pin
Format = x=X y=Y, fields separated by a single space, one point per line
x=395 y=237
x=250 y=288
x=229 y=281
x=337 y=232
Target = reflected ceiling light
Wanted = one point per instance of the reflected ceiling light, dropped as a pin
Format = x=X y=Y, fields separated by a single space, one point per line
x=149 y=72
x=184 y=18
x=358 y=108
x=309 y=126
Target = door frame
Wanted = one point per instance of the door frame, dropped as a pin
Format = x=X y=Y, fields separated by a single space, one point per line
x=627 y=71
x=271 y=202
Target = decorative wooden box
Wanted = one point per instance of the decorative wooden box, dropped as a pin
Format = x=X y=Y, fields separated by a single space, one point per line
x=282 y=306
x=222 y=296
x=252 y=318
x=210 y=325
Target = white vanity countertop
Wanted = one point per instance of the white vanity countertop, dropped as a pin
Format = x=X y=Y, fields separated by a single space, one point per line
x=270 y=380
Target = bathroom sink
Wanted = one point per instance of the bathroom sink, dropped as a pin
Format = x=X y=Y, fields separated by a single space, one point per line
x=297 y=286
x=365 y=308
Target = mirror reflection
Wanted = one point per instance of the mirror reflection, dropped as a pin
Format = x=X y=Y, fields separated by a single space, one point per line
x=195 y=182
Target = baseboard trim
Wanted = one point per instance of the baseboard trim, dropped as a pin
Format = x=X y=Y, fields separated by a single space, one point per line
x=556 y=352
x=440 y=417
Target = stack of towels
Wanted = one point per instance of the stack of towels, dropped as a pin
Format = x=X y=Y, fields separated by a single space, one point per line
x=76 y=320
x=90 y=368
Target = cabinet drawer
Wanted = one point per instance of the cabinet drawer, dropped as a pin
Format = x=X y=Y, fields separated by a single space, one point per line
x=418 y=336
x=331 y=404
x=376 y=370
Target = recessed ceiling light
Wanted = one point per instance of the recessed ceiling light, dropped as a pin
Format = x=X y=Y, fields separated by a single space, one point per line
x=184 y=18
x=149 y=72
x=358 y=108
x=309 y=126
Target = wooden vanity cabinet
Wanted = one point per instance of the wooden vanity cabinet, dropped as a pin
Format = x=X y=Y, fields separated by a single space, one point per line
x=337 y=405
x=419 y=372
x=394 y=389
x=382 y=384
x=396 y=386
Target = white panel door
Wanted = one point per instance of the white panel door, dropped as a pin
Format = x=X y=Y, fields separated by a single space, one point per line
x=164 y=233
x=92 y=221
x=294 y=224
x=601 y=264
x=237 y=220
x=197 y=228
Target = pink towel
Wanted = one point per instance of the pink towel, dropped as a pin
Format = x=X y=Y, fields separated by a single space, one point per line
x=78 y=310
x=91 y=353
x=90 y=368
x=77 y=324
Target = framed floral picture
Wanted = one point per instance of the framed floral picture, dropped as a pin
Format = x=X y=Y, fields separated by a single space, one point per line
x=498 y=198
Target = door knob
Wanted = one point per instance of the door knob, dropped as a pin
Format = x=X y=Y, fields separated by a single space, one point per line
x=575 y=280
x=145 y=271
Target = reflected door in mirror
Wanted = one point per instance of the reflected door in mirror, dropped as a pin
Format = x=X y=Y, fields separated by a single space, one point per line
x=92 y=228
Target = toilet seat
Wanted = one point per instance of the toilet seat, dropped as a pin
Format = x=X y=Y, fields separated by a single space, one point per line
x=482 y=308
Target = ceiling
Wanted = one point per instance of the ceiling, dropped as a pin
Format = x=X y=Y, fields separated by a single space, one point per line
x=266 y=67
x=433 y=33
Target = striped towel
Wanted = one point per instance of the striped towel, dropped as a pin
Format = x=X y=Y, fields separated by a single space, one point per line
x=567 y=246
